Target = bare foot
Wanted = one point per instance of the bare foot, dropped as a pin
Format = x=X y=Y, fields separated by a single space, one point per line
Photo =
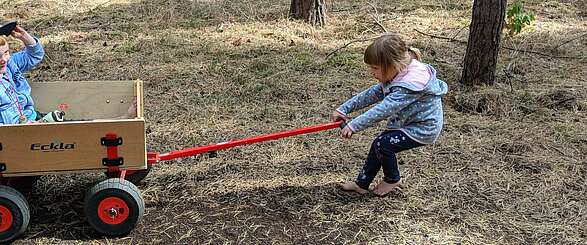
x=352 y=186
x=383 y=188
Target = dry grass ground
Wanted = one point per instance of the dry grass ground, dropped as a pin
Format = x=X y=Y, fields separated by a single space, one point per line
x=510 y=167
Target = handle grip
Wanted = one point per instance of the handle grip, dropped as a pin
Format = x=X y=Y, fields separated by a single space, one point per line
x=343 y=124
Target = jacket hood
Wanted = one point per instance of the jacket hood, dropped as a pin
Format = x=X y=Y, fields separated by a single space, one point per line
x=433 y=86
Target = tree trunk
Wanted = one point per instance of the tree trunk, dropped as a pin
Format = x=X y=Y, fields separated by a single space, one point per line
x=311 y=11
x=483 y=45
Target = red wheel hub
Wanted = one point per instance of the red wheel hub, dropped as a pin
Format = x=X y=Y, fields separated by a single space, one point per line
x=5 y=219
x=113 y=210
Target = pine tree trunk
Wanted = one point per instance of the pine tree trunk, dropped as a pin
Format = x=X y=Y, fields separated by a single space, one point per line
x=311 y=11
x=483 y=46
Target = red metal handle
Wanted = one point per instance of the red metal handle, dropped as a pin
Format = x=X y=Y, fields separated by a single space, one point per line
x=246 y=141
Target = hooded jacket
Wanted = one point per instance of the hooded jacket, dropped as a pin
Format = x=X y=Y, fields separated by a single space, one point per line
x=411 y=102
x=13 y=80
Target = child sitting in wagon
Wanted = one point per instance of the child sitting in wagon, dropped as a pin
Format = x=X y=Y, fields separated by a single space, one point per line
x=16 y=103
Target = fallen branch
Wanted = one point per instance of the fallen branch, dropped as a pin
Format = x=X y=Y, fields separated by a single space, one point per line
x=568 y=41
x=380 y=26
x=349 y=43
x=544 y=54
x=440 y=37
x=508 y=48
x=376 y=17
x=560 y=102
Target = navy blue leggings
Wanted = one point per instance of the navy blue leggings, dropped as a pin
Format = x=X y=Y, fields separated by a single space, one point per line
x=382 y=154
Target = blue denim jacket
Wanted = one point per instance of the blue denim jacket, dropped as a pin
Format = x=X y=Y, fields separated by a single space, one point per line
x=19 y=63
x=415 y=111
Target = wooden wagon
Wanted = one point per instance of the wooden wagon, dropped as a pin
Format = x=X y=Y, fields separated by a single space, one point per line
x=96 y=137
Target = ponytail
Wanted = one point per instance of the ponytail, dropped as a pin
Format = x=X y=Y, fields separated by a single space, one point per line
x=415 y=53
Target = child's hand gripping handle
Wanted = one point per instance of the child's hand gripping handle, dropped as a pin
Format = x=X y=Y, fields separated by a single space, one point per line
x=336 y=116
x=343 y=123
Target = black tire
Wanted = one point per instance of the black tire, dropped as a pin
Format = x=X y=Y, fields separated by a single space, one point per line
x=13 y=202
x=135 y=177
x=122 y=218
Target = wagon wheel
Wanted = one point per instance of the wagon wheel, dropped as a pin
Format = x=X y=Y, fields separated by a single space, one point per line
x=14 y=213
x=114 y=207
x=134 y=176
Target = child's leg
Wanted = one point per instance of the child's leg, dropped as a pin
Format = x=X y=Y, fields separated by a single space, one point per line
x=367 y=174
x=370 y=168
x=390 y=143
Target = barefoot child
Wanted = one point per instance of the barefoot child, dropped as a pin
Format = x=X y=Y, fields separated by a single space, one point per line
x=408 y=95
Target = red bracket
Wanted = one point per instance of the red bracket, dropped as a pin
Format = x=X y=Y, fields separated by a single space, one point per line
x=111 y=141
x=122 y=174
x=152 y=158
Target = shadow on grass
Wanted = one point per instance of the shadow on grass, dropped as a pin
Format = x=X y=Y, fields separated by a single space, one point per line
x=288 y=213
x=57 y=208
x=262 y=214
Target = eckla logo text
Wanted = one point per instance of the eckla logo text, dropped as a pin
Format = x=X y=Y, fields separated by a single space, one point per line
x=52 y=147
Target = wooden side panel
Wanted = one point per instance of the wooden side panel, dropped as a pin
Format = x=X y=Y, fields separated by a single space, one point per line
x=140 y=98
x=87 y=99
x=69 y=146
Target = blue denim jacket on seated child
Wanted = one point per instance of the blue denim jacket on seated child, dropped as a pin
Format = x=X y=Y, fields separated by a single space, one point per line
x=13 y=80
x=412 y=106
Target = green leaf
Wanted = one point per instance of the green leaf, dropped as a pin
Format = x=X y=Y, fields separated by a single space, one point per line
x=517 y=8
x=516 y=18
x=518 y=28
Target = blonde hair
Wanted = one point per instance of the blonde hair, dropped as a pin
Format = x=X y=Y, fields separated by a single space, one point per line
x=415 y=53
x=3 y=41
x=390 y=51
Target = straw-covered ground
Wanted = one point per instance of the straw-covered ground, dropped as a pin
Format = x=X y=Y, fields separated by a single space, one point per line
x=510 y=166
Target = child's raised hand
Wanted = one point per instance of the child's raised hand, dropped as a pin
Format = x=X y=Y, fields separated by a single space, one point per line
x=21 y=34
x=18 y=32
x=337 y=116
x=347 y=132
